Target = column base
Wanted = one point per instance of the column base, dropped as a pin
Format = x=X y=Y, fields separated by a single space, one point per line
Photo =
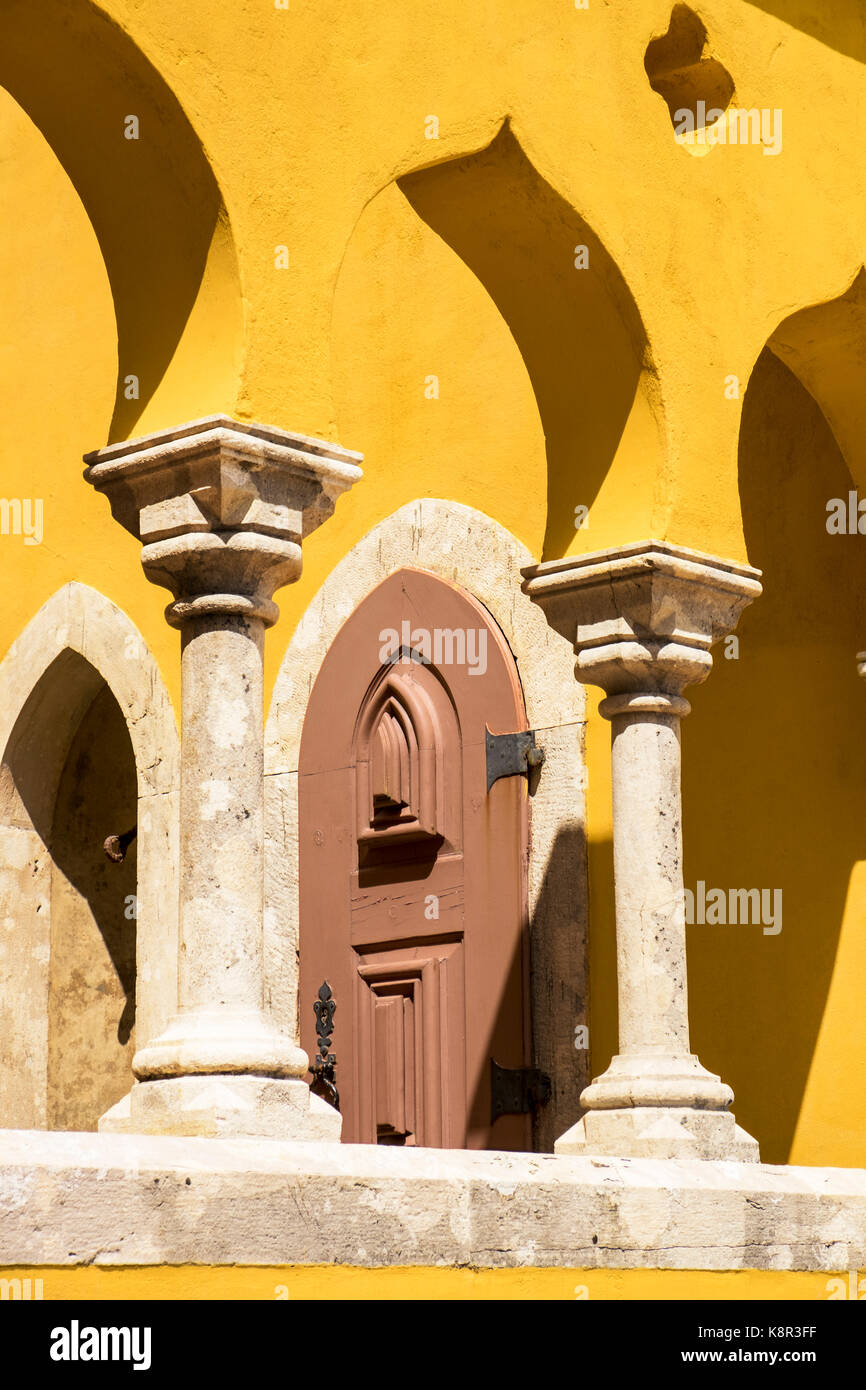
x=670 y=1080
x=219 y=1041
x=659 y=1132
x=221 y=1106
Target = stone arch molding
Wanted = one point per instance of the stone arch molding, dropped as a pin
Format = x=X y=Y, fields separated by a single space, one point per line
x=461 y=545
x=83 y=640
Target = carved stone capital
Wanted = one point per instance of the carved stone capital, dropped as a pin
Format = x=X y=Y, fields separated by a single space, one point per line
x=221 y=509
x=643 y=617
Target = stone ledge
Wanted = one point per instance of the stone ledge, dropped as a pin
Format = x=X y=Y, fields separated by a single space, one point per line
x=72 y=1199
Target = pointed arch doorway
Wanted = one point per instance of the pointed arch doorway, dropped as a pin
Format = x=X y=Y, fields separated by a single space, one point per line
x=413 y=899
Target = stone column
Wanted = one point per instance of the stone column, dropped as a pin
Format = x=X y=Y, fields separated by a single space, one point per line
x=221 y=509
x=642 y=619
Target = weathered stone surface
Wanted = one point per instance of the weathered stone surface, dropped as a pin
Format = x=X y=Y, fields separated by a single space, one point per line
x=643 y=617
x=221 y=507
x=216 y=1105
x=71 y=1199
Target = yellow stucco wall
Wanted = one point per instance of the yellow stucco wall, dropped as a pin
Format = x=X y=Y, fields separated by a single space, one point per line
x=412 y=258
x=314 y=1282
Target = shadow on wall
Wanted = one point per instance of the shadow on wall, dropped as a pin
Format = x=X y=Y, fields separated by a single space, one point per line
x=560 y=985
x=841 y=26
x=774 y=770
x=825 y=347
x=578 y=330
x=557 y=993
x=67 y=969
x=153 y=201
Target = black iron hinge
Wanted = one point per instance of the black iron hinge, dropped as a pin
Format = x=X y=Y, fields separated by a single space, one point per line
x=509 y=755
x=517 y=1091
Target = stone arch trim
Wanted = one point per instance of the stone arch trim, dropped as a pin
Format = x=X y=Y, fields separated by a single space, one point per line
x=468 y=548
x=78 y=619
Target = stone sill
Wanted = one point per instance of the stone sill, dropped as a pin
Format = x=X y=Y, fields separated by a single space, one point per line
x=72 y=1199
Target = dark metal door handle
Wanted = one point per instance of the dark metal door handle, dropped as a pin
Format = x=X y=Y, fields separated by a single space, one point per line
x=325 y=1063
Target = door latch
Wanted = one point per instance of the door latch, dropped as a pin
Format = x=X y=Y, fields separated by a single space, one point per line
x=517 y=1091
x=324 y=1066
x=508 y=755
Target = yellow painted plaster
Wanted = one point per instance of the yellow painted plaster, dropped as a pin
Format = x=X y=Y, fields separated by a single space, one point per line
x=301 y=1282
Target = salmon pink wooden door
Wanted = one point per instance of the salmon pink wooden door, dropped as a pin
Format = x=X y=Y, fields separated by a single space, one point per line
x=412 y=873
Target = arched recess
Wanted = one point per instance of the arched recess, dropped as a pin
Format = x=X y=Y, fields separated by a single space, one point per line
x=153 y=201
x=824 y=345
x=569 y=310
x=88 y=734
x=471 y=550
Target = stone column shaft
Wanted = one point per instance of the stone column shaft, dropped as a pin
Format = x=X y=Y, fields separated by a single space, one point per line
x=648 y=877
x=221 y=814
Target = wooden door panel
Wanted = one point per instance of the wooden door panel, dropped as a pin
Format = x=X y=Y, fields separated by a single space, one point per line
x=398 y=908
x=411 y=1061
x=412 y=875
